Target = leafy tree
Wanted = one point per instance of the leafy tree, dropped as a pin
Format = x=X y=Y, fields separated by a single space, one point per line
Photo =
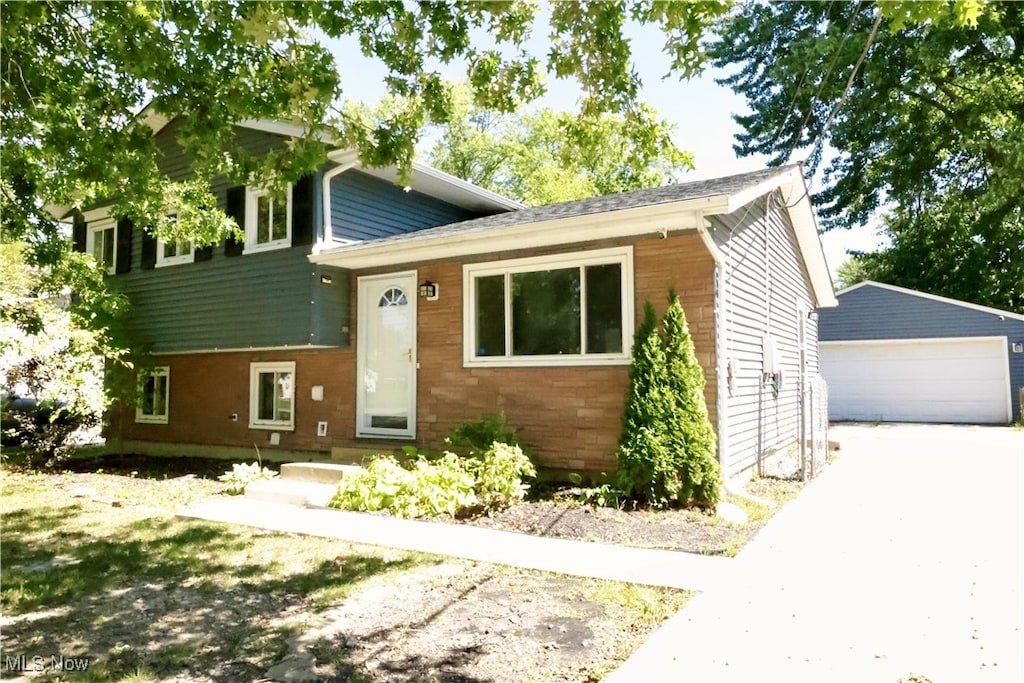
x=80 y=81
x=851 y=271
x=547 y=156
x=923 y=104
x=45 y=354
x=667 y=453
x=938 y=250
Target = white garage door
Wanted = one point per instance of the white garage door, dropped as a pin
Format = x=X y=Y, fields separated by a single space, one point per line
x=924 y=380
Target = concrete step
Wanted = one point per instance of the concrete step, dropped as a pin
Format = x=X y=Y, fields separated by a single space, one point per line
x=317 y=472
x=291 y=492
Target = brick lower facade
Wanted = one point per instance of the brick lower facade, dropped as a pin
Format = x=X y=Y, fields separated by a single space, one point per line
x=570 y=415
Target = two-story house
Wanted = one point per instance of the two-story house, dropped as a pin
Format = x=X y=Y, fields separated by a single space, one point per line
x=358 y=315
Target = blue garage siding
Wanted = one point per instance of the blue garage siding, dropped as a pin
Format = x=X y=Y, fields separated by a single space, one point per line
x=364 y=207
x=872 y=312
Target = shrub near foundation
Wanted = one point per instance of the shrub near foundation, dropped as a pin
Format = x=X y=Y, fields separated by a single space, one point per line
x=447 y=485
x=666 y=455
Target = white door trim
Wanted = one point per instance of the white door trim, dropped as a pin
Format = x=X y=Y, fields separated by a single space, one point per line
x=408 y=278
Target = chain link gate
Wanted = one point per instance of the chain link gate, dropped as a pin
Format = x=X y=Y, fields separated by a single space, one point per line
x=814 y=421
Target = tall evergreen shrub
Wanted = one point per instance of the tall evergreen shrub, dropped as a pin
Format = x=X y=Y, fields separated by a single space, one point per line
x=666 y=454
x=691 y=436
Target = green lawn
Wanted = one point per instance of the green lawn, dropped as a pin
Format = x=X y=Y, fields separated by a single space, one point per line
x=146 y=595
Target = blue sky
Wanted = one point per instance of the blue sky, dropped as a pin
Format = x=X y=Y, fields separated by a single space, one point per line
x=700 y=109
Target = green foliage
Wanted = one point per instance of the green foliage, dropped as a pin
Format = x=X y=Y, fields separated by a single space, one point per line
x=448 y=485
x=667 y=451
x=499 y=475
x=82 y=80
x=46 y=354
x=547 y=156
x=691 y=432
x=929 y=132
x=242 y=474
x=605 y=495
x=479 y=436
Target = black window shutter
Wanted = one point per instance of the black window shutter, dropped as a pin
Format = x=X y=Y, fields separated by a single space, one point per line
x=235 y=208
x=148 y=250
x=123 y=260
x=203 y=253
x=78 y=233
x=302 y=211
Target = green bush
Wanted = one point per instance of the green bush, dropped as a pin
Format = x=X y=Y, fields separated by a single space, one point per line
x=478 y=436
x=667 y=450
x=499 y=475
x=242 y=474
x=447 y=485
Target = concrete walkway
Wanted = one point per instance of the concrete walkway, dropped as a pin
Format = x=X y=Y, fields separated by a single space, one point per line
x=578 y=558
x=905 y=556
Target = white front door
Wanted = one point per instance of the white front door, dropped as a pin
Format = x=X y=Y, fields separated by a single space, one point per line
x=386 y=367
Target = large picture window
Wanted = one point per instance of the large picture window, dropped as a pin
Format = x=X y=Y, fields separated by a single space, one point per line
x=272 y=395
x=550 y=310
x=154 y=396
x=268 y=219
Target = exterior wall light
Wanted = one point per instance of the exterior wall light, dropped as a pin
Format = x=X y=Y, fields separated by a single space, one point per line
x=429 y=290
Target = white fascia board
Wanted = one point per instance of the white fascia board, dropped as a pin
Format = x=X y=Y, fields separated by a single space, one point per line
x=790 y=182
x=440 y=185
x=909 y=342
x=798 y=202
x=610 y=225
x=933 y=297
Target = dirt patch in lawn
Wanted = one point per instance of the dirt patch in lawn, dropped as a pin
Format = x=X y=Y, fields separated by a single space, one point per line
x=98 y=570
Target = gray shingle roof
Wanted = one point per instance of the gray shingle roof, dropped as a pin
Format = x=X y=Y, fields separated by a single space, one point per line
x=727 y=185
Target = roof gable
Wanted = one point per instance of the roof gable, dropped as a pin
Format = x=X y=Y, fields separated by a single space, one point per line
x=930 y=297
x=667 y=208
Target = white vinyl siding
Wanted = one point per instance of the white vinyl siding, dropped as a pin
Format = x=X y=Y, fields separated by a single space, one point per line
x=565 y=309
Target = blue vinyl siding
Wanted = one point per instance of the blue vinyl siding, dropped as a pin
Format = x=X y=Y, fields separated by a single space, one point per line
x=364 y=208
x=267 y=299
x=870 y=312
x=765 y=280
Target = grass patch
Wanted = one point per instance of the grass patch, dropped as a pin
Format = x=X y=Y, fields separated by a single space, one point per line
x=149 y=596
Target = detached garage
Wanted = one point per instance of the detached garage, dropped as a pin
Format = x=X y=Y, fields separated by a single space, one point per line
x=891 y=354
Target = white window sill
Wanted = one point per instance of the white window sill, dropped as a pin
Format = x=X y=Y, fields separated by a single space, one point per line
x=546 y=361
x=278 y=427
x=151 y=419
x=177 y=261
x=269 y=246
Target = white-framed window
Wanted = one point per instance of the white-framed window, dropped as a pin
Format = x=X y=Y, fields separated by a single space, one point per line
x=268 y=219
x=173 y=253
x=101 y=242
x=564 y=309
x=154 y=395
x=272 y=395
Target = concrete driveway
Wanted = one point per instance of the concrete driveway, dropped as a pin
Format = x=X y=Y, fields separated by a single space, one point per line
x=906 y=556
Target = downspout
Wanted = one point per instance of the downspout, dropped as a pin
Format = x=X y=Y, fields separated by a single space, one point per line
x=346 y=159
x=721 y=363
x=721 y=369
